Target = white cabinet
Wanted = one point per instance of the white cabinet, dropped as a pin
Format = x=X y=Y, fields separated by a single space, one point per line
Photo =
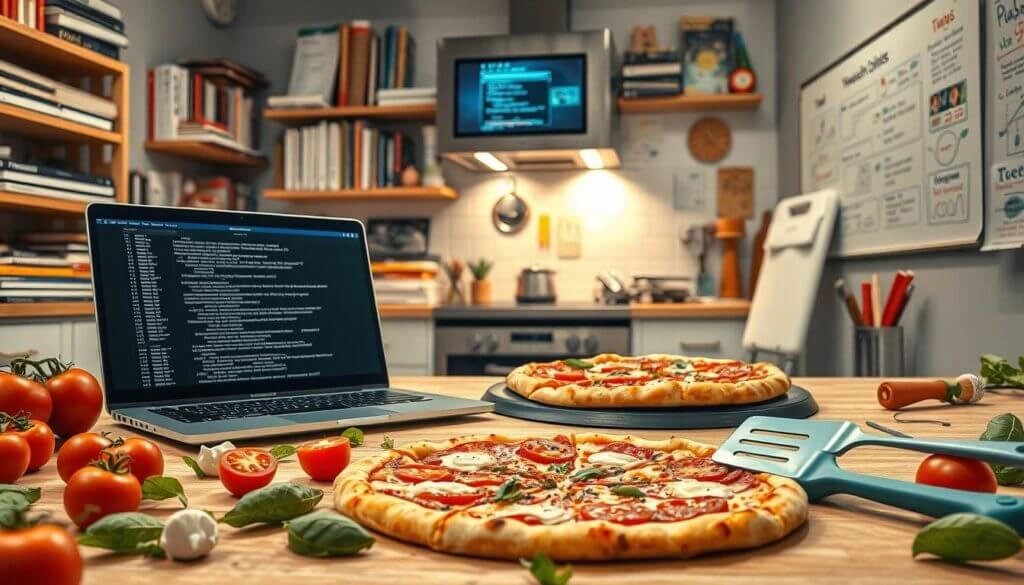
x=33 y=339
x=408 y=346
x=716 y=338
x=85 y=347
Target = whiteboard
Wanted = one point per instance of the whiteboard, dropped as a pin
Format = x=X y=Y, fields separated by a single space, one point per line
x=895 y=126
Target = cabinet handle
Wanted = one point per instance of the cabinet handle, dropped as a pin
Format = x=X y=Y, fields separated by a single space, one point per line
x=701 y=345
x=18 y=354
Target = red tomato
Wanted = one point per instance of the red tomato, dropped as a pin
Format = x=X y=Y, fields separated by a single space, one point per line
x=145 y=458
x=41 y=554
x=40 y=440
x=957 y=473
x=79 y=451
x=679 y=510
x=545 y=451
x=247 y=469
x=323 y=460
x=452 y=499
x=574 y=376
x=97 y=491
x=699 y=468
x=630 y=449
x=627 y=514
x=21 y=396
x=77 y=401
x=415 y=473
x=480 y=478
x=15 y=455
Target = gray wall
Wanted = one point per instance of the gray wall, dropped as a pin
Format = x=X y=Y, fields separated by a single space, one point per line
x=966 y=302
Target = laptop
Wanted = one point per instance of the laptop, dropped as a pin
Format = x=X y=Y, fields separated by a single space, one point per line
x=217 y=325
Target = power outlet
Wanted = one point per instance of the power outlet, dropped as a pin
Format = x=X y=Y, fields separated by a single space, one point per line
x=570 y=236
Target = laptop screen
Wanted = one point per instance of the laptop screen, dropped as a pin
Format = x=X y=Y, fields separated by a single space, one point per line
x=195 y=304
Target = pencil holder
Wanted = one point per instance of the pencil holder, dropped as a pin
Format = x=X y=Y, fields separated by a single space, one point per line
x=878 y=352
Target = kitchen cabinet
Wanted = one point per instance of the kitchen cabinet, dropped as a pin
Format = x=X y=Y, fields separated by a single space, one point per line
x=716 y=338
x=408 y=346
x=71 y=340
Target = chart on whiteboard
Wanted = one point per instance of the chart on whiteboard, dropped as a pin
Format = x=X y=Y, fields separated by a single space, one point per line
x=895 y=128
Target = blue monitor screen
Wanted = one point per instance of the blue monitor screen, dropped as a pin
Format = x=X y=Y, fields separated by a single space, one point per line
x=521 y=95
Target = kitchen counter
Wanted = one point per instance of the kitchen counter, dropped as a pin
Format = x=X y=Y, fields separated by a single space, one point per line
x=406 y=311
x=845 y=540
x=717 y=309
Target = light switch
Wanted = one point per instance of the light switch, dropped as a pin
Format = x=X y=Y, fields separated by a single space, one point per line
x=570 y=235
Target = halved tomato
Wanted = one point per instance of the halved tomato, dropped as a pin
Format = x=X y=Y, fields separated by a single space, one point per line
x=630 y=449
x=573 y=376
x=545 y=451
x=416 y=472
x=699 y=468
x=247 y=469
x=626 y=514
x=323 y=460
x=452 y=499
x=684 y=509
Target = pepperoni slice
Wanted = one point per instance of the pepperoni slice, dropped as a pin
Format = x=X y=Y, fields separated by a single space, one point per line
x=625 y=514
x=545 y=451
x=738 y=480
x=630 y=449
x=679 y=510
x=699 y=468
x=416 y=473
x=480 y=478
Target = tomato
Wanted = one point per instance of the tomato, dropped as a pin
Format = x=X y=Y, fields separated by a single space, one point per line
x=41 y=554
x=77 y=401
x=699 y=468
x=570 y=376
x=957 y=473
x=452 y=499
x=79 y=451
x=323 y=460
x=247 y=469
x=480 y=478
x=630 y=449
x=39 y=437
x=415 y=473
x=15 y=456
x=627 y=514
x=145 y=457
x=545 y=451
x=21 y=396
x=99 y=490
x=678 y=510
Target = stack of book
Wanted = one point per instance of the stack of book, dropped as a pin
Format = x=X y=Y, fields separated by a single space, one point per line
x=44 y=267
x=27 y=89
x=652 y=73
x=96 y=25
x=26 y=12
x=330 y=156
x=406 y=282
x=205 y=100
x=49 y=181
x=407 y=96
x=170 y=188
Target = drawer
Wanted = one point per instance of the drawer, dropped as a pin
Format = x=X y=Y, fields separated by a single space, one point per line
x=408 y=342
x=36 y=340
x=696 y=337
x=85 y=347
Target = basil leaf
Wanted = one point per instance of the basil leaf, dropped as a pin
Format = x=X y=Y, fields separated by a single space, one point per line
x=194 y=466
x=13 y=506
x=628 y=491
x=997 y=371
x=588 y=473
x=326 y=534
x=283 y=451
x=578 y=363
x=387 y=443
x=126 y=532
x=31 y=494
x=162 y=488
x=273 y=504
x=1005 y=427
x=546 y=572
x=967 y=537
x=355 y=436
x=508 y=492
x=559 y=468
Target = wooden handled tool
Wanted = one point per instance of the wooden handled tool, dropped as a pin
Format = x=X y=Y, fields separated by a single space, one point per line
x=895 y=395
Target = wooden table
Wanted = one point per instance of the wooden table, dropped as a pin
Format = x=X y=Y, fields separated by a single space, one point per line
x=844 y=541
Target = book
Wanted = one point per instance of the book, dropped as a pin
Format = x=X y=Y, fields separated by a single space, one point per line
x=400 y=56
x=54 y=177
x=30 y=189
x=371 y=81
x=76 y=115
x=84 y=101
x=315 y=62
x=24 y=76
x=359 y=58
x=344 y=68
x=85 y=11
x=21 y=260
x=406 y=92
x=58 y=17
x=43 y=296
x=297 y=101
x=662 y=56
x=708 y=55
x=675 y=85
x=648 y=69
x=640 y=93
x=29 y=102
x=411 y=101
x=104 y=7
x=44 y=283
x=85 y=41
x=28 y=90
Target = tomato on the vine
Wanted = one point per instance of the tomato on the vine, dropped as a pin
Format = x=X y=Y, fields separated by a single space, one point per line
x=79 y=451
x=15 y=455
x=36 y=433
x=144 y=457
x=323 y=460
x=77 y=401
x=40 y=554
x=20 y=396
x=102 y=489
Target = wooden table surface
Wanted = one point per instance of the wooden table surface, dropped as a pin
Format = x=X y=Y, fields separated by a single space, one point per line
x=845 y=540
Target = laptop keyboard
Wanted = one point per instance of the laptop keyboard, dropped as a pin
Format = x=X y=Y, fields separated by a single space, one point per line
x=193 y=413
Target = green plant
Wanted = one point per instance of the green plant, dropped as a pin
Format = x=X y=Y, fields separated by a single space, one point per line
x=480 y=269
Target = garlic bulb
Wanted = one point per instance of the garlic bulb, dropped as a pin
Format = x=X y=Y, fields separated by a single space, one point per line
x=188 y=535
x=209 y=457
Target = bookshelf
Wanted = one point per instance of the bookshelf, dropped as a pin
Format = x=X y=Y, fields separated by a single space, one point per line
x=20 y=202
x=205 y=152
x=378 y=194
x=293 y=116
x=27 y=310
x=690 y=103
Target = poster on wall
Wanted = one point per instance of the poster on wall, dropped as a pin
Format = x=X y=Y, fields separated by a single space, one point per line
x=895 y=126
x=1004 y=221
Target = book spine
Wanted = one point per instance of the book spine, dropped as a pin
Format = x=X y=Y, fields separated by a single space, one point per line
x=150 y=105
x=87 y=12
x=55 y=173
x=40 y=15
x=343 y=65
x=83 y=40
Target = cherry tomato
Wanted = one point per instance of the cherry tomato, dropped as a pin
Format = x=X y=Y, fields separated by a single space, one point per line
x=79 y=451
x=570 y=376
x=480 y=478
x=145 y=458
x=416 y=473
x=15 y=456
x=77 y=401
x=545 y=451
x=630 y=449
x=247 y=469
x=21 y=396
x=41 y=554
x=699 y=468
x=957 y=473
x=323 y=460
x=678 y=510
x=39 y=437
x=99 y=490
x=626 y=514
x=452 y=499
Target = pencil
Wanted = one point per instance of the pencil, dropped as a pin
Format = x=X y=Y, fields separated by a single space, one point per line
x=865 y=299
x=849 y=301
x=903 y=307
x=876 y=300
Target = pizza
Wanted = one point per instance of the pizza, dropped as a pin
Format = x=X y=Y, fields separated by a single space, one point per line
x=658 y=380
x=582 y=497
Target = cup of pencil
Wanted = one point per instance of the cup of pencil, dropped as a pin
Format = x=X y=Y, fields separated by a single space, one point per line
x=878 y=336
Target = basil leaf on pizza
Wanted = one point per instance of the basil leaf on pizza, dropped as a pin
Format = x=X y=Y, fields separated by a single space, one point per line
x=578 y=364
x=628 y=491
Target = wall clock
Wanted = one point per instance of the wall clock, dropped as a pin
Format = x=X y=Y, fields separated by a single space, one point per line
x=709 y=140
x=220 y=12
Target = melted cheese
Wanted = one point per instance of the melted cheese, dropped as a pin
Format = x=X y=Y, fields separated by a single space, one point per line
x=612 y=458
x=691 y=488
x=437 y=487
x=546 y=513
x=467 y=461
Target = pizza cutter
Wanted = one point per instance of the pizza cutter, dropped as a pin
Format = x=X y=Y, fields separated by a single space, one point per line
x=806 y=451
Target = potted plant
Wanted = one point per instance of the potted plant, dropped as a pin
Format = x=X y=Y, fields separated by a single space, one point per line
x=480 y=289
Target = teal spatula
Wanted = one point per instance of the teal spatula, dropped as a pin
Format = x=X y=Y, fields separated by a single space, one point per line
x=806 y=451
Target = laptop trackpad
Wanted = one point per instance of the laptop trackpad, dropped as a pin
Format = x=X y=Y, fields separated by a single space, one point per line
x=339 y=414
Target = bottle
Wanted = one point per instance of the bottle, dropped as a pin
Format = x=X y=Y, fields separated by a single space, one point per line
x=742 y=78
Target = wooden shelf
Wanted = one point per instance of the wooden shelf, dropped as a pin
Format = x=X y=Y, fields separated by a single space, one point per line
x=421 y=113
x=690 y=103
x=26 y=310
x=45 y=52
x=26 y=122
x=380 y=194
x=40 y=204
x=205 y=152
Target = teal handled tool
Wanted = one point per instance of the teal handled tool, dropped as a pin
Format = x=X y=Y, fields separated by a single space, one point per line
x=806 y=451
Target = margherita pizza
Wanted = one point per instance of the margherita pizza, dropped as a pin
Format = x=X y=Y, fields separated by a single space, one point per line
x=613 y=381
x=584 y=497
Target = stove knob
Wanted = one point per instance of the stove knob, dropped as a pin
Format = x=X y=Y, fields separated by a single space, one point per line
x=572 y=344
x=491 y=344
x=590 y=344
x=476 y=342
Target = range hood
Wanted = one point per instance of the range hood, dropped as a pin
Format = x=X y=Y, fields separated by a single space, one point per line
x=524 y=102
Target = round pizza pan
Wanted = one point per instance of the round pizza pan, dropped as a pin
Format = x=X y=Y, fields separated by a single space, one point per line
x=797 y=403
